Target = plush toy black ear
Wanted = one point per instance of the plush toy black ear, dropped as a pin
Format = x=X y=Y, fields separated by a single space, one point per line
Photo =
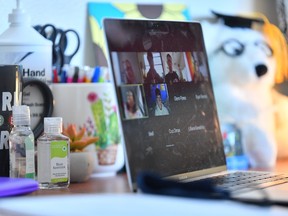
x=238 y=21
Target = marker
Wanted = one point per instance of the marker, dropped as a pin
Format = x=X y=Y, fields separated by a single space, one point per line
x=96 y=74
x=104 y=75
x=70 y=74
x=81 y=75
x=88 y=74
x=63 y=77
x=55 y=75
x=75 y=74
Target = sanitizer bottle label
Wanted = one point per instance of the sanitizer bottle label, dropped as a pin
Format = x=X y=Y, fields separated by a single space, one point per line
x=30 y=157
x=59 y=161
x=36 y=63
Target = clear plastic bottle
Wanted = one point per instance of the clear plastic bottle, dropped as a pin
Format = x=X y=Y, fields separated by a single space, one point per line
x=53 y=156
x=21 y=144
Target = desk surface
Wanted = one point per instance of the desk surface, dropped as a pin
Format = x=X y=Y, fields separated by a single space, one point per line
x=111 y=196
x=112 y=184
x=115 y=184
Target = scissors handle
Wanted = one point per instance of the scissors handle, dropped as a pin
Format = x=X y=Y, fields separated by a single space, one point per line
x=50 y=35
x=49 y=31
x=63 y=43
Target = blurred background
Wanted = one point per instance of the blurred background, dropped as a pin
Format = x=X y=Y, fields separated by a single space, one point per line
x=74 y=14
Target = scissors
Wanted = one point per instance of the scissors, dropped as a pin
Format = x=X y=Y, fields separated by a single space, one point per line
x=62 y=54
x=66 y=54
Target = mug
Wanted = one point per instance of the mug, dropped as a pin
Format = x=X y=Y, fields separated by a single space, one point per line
x=94 y=106
x=12 y=85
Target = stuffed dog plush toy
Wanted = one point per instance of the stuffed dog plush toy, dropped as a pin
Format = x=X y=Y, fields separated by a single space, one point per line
x=245 y=64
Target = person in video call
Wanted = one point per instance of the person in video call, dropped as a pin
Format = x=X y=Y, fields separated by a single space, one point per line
x=152 y=75
x=171 y=76
x=131 y=108
x=130 y=76
x=197 y=75
x=160 y=109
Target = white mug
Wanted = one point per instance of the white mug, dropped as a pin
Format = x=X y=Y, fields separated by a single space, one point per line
x=94 y=106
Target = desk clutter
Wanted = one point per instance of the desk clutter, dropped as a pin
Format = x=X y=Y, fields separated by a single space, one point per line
x=61 y=43
x=44 y=53
x=65 y=45
x=82 y=136
x=86 y=74
x=96 y=116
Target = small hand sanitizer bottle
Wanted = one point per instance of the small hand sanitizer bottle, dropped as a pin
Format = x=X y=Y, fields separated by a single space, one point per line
x=53 y=152
x=21 y=144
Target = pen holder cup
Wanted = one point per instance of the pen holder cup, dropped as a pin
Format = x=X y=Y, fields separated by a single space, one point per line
x=94 y=106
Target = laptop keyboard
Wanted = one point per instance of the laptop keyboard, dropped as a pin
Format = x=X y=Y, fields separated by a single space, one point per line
x=242 y=181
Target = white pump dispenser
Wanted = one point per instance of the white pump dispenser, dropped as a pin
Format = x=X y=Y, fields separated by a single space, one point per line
x=22 y=44
x=19 y=16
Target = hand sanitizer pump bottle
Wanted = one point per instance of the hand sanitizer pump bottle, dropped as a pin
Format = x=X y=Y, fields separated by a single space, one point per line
x=21 y=44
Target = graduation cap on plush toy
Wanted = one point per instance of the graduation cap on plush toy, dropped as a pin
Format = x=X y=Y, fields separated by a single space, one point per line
x=239 y=21
x=258 y=21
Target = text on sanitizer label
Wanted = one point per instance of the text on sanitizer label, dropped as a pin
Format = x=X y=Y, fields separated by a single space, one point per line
x=59 y=161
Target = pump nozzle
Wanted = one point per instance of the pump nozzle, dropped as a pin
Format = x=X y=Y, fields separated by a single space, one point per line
x=18 y=4
x=18 y=15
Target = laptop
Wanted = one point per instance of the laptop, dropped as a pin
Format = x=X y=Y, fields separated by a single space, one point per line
x=167 y=107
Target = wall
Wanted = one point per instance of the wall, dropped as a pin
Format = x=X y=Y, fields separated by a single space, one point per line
x=73 y=14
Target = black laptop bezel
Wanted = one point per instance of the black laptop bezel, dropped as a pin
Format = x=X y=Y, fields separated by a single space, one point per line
x=112 y=29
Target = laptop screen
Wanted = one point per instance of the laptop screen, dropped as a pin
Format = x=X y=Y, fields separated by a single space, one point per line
x=165 y=97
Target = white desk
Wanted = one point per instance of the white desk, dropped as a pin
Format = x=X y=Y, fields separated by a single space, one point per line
x=110 y=196
x=127 y=204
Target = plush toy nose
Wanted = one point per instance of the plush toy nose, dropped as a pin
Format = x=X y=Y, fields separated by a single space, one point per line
x=261 y=70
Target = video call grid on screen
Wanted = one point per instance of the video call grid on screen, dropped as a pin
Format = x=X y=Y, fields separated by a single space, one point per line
x=165 y=96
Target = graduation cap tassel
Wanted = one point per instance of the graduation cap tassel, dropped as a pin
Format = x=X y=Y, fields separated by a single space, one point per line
x=280 y=49
x=278 y=44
